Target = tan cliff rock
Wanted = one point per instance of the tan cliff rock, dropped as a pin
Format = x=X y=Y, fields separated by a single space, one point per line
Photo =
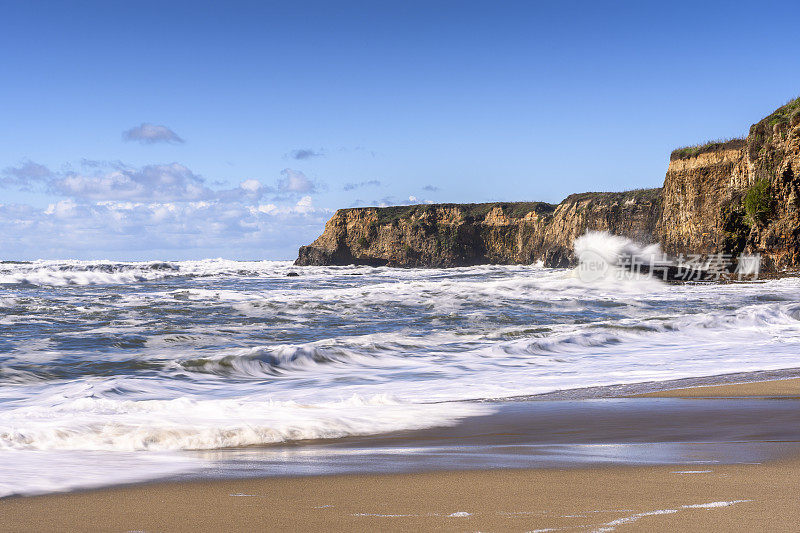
x=695 y=191
x=443 y=235
x=739 y=196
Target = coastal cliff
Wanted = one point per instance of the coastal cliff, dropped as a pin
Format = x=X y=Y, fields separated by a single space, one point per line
x=437 y=235
x=739 y=196
x=732 y=197
x=444 y=235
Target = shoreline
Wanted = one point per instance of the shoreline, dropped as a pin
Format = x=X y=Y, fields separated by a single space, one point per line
x=673 y=496
x=772 y=388
x=655 y=389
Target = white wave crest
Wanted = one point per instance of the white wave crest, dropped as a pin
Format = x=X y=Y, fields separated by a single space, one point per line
x=104 y=424
x=603 y=256
x=39 y=472
x=612 y=248
x=81 y=273
x=263 y=361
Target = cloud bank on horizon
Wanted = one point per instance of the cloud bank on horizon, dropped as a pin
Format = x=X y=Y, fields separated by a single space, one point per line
x=118 y=211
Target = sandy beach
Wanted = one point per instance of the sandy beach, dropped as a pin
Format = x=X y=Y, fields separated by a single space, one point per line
x=724 y=498
x=685 y=497
x=783 y=388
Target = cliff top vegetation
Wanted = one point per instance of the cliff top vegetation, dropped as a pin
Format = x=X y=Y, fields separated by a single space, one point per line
x=717 y=145
x=637 y=195
x=783 y=114
x=474 y=212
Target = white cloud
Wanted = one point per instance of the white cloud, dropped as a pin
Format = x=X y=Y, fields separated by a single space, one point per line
x=294 y=181
x=264 y=208
x=147 y=133
x=251 y=185
x=304 y=206
x=64 y=208
x=25 y=176
x=305 y=153
x=114 y=181
x=352 y=186
x=151 y=182
x=389 y=201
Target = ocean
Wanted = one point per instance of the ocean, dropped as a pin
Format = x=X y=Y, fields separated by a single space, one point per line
x=117 y=372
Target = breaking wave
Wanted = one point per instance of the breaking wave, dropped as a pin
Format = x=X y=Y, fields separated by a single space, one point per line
x=613 y=248
x=270 y=361
x=605 y=257
x=81 y=273
x=107 y=424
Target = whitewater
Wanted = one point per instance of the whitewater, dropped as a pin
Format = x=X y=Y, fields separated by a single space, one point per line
x=114 y=372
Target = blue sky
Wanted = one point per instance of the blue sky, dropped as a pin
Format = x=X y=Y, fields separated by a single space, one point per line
x=170 y=130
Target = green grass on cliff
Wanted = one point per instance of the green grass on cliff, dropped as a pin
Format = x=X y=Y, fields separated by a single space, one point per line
x=637 y=195
x=477 y=212
x=783 y=114
x=390 y=215
x=762 y=132
x=717 y=145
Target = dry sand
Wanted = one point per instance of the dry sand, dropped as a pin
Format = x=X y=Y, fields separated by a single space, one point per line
x=783 y=388
x=627 y=499
x=744 y=497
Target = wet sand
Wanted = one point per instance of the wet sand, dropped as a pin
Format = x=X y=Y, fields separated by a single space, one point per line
x=685 y=497
x=541 y=434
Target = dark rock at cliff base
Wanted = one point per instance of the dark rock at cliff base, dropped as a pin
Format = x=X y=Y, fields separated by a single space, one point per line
x=677 y=273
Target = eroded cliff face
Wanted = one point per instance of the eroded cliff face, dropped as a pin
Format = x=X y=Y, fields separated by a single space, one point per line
x=632 y=214
x=443 y=235
x=439 y=235
x=695 y=193
x=740 y=196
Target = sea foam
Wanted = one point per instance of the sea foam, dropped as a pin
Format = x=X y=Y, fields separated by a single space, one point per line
x=163 y=357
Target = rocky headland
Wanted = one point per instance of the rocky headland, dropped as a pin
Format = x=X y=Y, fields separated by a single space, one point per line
x=728 y=197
